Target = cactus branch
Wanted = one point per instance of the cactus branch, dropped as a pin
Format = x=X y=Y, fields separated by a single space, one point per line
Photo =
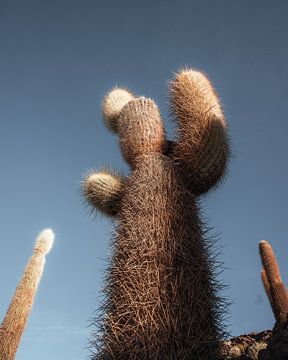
x=103 y=191
x=16 y=317
x=202 y=146
x=272 y=281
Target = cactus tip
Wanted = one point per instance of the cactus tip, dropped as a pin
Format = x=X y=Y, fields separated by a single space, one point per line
x=91 y=181
x=44 y=241
x=264 y=244
x=113 y=103
x=191 y=72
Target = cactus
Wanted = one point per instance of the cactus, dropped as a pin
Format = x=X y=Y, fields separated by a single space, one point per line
x=162 y=299
x=104 y=190
x=16 y=317
x=202 y=148
x=272 y=282
x=266 y=286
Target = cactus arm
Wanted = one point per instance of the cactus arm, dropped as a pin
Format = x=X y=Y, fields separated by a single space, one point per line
x=138 y=123
x=16 y=317
x=278 y=296
x=141 y=130
x=267 y=289
x=103 y=191
x=266 y=286
x=202 y=148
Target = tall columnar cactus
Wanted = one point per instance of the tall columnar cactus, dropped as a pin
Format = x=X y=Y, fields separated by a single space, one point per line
x=272 y=282
x=16 y=317
x=162 y=298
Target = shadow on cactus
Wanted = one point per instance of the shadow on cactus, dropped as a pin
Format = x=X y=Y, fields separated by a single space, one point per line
x=162 y=297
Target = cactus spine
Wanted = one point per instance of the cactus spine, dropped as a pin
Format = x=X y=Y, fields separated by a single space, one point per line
x=161 y=294
x=272 y=282
x=16 y=317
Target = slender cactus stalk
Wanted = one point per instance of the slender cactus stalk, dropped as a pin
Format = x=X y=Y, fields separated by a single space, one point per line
x=272 y=282
x=16 y=317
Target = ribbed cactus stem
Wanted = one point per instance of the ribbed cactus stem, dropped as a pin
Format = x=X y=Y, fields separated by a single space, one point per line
x=103 y=191
x=141 y=129
x=272 y=281
x=202 y=146
x=161 y=303
x=16 y=317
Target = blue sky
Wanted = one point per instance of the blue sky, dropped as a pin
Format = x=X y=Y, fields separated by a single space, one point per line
x=57 y=60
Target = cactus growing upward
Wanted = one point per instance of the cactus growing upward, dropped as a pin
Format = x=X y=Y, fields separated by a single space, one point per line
x=162 y=298
x=272 y=282
x=16 y=317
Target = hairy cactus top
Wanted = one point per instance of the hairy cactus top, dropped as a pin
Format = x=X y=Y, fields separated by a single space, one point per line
x=162 y=298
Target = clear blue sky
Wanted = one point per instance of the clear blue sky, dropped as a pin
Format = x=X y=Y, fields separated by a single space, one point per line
x=57 y=60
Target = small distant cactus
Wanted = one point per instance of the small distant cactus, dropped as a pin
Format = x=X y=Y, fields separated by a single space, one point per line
x=272 y=282
x=162 y=298
x=16 y=317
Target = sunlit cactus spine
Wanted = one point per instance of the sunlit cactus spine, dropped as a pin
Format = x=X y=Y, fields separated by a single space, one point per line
x=162 y=299
x=272 y=282
x=17 y=315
